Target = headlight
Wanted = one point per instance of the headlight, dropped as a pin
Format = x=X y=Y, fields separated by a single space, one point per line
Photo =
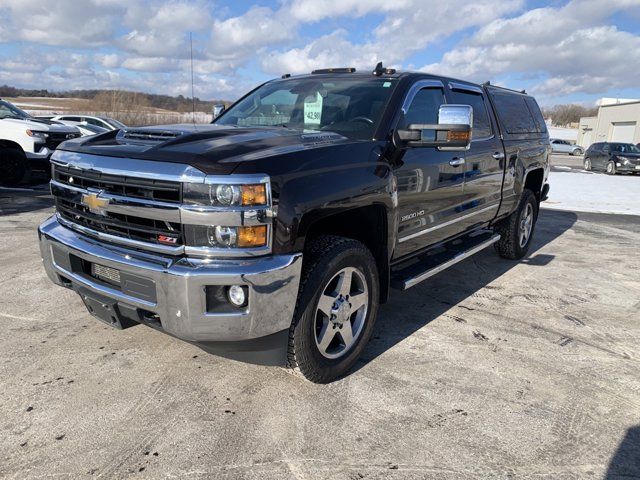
x=38 y=134
x=225 y=237
x=225 y=195
x=625 y=160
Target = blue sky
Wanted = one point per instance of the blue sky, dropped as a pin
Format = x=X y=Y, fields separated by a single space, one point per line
x=562 y=51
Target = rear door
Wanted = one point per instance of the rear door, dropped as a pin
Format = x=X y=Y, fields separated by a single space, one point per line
x=604 y=155
x=484 y=161
x=430 y=188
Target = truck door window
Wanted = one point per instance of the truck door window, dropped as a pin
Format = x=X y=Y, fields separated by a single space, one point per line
x=424 y=107
x=481 y=122
x=514 y=113
x=538 y=118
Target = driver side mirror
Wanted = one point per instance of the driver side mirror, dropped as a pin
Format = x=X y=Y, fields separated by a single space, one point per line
x=452 y=132
x=218 y=109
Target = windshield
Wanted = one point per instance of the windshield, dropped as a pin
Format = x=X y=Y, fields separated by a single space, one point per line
x=625 y=148
x=115 y=123
x=351 y=107
x=8 y=110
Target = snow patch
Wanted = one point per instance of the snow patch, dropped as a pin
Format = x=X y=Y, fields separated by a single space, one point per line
x=581 y=191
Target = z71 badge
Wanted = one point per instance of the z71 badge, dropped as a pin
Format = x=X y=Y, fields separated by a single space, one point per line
x=409 y=216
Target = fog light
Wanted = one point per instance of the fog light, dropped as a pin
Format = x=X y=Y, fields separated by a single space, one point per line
x=237 y=295
x=222 y=236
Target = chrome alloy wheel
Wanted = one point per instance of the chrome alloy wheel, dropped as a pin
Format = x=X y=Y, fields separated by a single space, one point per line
x=341 y=312
x=526 y=225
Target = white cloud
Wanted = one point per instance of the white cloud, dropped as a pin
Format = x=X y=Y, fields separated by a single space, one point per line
x=143 y=44
x=569 y=46
x=67 y=22
x=109 y=60
x=239 y=37
x=401 y=34
x=316 y=10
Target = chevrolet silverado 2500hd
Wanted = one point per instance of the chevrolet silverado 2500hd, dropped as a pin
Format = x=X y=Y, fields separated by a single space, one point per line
x=273 y=234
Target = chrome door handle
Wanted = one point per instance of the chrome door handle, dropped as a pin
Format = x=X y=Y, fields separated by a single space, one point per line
x=498 y=155
x=456 y=162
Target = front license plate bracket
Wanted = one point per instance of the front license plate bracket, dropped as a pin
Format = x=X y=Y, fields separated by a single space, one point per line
x=105 y=309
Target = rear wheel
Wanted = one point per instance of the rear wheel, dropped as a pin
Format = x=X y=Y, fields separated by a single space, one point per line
x=587 y=164
x=577 y=152
x=516 y=231
x=336 y=308
x=13 y=166
x=611 y=168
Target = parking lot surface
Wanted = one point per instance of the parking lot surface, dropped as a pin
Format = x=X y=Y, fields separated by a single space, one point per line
x=491 y=369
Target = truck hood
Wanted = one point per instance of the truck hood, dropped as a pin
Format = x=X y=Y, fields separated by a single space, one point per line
x=41 y=125
x=213 y=149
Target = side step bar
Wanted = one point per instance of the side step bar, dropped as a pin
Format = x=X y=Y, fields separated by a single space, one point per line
x=451 y=259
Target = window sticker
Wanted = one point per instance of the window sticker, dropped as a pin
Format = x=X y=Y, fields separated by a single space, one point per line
x=386 y=84
x=313 y=109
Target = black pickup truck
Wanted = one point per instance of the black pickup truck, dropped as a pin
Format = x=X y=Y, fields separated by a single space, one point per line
x=273 y=234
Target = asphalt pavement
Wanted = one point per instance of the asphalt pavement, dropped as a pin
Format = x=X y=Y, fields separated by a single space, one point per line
x=491 y=369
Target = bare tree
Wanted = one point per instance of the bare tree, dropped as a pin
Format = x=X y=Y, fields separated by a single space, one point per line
x=131 y=108
x=564 y=115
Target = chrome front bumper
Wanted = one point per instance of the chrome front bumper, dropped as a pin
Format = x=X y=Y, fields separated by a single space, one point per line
x=179 y=299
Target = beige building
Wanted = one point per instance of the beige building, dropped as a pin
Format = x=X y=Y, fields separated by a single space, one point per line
x=619 y=122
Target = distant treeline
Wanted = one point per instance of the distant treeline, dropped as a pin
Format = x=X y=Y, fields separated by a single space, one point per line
x=167 y=102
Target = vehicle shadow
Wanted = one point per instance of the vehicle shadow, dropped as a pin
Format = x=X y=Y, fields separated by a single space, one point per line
x=27 y=198
x=626 y=461
x=437 y=295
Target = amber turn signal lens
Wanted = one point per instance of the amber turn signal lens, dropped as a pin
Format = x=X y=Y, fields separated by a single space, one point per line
x=252 y=236
x=453 y=136
x=254 y=194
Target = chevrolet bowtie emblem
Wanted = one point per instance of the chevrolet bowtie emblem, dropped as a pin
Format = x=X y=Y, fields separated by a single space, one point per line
x=94 y=203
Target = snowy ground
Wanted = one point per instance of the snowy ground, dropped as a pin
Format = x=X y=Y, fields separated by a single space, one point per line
x=580 y=191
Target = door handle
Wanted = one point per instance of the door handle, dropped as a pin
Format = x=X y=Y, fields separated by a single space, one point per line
x=498 y=155
x=456 y=162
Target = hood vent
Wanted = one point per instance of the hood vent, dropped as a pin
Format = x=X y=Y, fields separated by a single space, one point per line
x=148 y=135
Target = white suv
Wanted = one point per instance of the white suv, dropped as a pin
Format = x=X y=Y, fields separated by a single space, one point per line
x=26 y=143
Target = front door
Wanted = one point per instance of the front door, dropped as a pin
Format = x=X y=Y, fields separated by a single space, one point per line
x=430 y=182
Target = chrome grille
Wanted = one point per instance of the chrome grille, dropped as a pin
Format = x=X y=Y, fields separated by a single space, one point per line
x=54 y=139
x=148 y=189
x=128 y=226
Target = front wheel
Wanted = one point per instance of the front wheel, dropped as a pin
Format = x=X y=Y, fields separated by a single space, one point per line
x=611 y=168
x=13 y=166
x=336 y=308
x=577 y=152
x=516 y=231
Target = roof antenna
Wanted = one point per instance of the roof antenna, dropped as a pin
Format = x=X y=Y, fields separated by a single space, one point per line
x=193 y=98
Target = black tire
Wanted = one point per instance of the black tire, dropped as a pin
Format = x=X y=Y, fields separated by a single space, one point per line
x=13 y=166
x=611 y=168
x=325 y=257
x=587 y=164
x=509 y=246
x=577 y=152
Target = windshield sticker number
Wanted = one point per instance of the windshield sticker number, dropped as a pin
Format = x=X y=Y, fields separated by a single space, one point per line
x=313 y=109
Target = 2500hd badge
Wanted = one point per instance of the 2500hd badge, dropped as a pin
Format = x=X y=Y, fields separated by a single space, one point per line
x=410 y=216
x=251 y=242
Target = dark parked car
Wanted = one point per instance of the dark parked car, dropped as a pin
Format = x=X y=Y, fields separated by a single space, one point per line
x=273 y=234
x=613 y=158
